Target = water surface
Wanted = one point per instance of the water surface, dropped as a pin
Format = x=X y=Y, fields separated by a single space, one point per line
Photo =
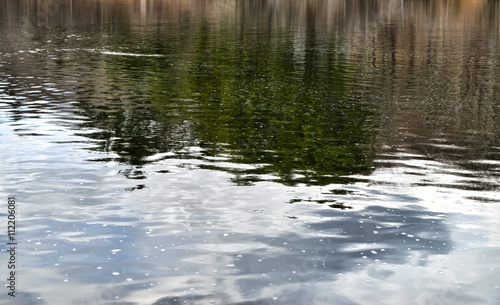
x=252 y=152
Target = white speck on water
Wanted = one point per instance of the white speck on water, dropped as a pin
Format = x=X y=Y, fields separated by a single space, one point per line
x=115 y=250
x=116 y=273
x=373 y=251
x=99 y=268
x=375 y=232
x=129 y=280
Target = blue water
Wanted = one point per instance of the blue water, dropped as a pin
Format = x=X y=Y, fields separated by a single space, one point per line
x=270 y=152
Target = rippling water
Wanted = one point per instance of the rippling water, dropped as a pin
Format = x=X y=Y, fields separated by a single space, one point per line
x=251 y=152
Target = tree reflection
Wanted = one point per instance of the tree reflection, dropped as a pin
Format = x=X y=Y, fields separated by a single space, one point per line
x=272 y=104
x=253 y=96
x=301 y=90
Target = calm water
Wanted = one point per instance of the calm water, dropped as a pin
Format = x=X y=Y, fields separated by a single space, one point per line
x=251 y=152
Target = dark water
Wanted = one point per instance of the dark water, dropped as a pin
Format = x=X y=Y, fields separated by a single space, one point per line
x=251 y=152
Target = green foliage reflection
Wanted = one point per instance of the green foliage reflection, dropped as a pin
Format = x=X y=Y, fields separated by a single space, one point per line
x=295 y=119
x=283 y=107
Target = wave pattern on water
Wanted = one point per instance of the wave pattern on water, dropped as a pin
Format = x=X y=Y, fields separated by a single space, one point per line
x=272 y=152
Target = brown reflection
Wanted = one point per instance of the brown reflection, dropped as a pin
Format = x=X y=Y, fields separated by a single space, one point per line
x=432 y=16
